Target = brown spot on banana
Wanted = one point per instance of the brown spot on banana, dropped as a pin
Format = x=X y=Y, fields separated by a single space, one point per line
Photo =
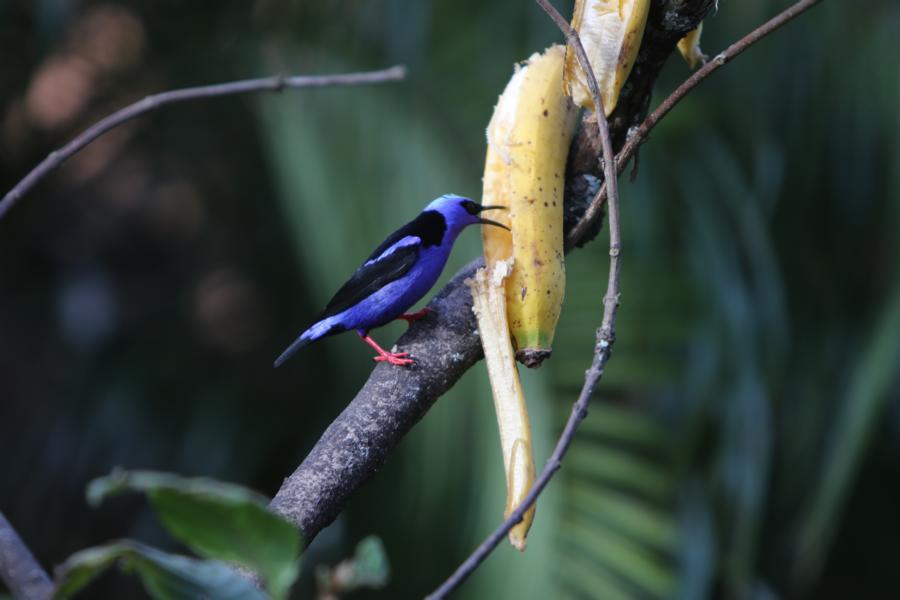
x=527 y=142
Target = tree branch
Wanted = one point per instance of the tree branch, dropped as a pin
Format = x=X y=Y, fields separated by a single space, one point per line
x=21 y=573
x=359 y=440
x=446 y=344
x=276 y=83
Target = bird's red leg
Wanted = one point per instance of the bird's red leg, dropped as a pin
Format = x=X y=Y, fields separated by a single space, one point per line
x=395 y=358
x=413 y=317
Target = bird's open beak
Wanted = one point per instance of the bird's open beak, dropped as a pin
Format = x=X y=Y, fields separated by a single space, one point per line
x=484 y=221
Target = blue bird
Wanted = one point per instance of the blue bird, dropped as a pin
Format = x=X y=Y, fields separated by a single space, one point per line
x=395 y=276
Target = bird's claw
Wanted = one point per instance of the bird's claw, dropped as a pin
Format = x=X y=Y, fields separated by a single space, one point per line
x=395 y=358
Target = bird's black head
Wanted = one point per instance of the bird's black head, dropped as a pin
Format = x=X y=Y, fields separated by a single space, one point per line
x=474 y=209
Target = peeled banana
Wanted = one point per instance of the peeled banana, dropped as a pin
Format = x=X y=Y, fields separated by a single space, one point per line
x=527 y=145
x=611 y=33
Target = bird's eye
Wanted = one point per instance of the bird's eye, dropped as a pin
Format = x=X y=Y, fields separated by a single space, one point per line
x=470 y=207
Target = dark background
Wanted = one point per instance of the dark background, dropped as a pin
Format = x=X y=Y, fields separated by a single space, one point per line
x=745 y=441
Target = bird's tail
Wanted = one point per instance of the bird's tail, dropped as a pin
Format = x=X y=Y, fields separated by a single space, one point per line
x=298 y=343
x=320 y=329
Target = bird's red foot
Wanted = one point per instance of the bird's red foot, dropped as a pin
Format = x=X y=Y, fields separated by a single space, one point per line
x=395 y=358
x=413 y=317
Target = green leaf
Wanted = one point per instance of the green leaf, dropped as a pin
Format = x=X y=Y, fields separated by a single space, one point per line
x=627 y=557
x=619 y=534
x=164 y=576
x=371 y=565
x=622 y=468
x=216 y=520
x=368 y=568
x=580 y=573
x=629 y=427
x=634 y=517
x=865 y=401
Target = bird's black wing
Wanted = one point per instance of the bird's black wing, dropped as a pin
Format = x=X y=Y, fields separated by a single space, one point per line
x=373 y=275
x=429 y=227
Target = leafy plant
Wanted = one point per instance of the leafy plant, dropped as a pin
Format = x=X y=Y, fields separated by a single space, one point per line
x=619 y=537
x=165 y=576
x=225 y=524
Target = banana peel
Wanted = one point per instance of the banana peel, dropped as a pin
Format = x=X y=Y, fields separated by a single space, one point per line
x=489 y=304
x=689 y=47
x=611 y=32
x=518 y=295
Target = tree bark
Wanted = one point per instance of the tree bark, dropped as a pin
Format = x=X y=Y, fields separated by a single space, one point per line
x=21 y=573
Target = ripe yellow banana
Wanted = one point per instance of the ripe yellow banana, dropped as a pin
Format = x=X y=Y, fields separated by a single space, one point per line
x=611 y=33
x=689 y=46
x=528 y=141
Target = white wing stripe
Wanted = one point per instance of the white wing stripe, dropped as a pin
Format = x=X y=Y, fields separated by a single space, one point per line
x=410 y=240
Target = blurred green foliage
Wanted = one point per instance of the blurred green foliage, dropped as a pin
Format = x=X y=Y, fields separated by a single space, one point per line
x=164 y=576
x=225 y=524
x=216 y=520
x=744 y=442
x=367 y=568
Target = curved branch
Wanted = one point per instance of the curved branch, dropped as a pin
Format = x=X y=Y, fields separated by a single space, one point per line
x=19 y=570
x=276 y=83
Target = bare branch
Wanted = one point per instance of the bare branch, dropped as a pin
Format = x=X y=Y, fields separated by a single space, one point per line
x=276 y=83
x=19 y=570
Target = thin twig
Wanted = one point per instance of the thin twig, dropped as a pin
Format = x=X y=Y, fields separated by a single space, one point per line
x=276 y=83
x=602 y=352
x=19 y=570
x=606 y=335
x=609 y=163
x=640 y=134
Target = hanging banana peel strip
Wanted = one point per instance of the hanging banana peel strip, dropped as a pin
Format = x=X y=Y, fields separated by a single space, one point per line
x=611 y=33
x=489 y=304
x=689 y=47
